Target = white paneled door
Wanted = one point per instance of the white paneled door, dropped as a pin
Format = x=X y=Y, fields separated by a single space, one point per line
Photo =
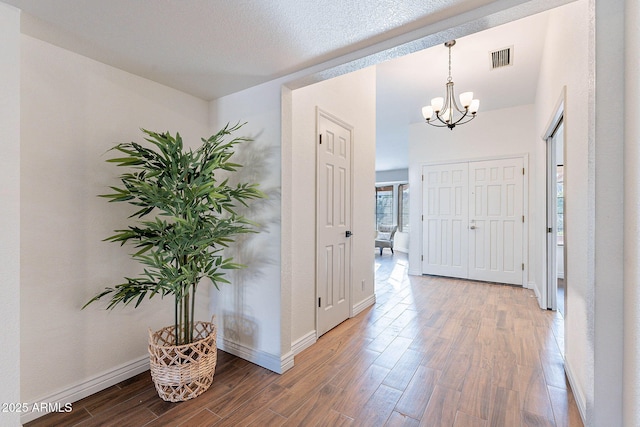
x=445 y=220
x=334 y=222
x=473 y=220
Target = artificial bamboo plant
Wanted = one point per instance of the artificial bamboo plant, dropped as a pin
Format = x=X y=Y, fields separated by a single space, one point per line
x=186 y=217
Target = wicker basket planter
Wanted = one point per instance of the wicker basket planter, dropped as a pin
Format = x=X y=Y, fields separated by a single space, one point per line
x=185 y=371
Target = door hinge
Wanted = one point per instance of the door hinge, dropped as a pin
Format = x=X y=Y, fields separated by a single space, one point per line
x=423 y=178
x=523 y=266
x=522 y=171
x=522 y=218
x=320 y=139
x=422 y=217
x=421 y=257
x=319 y=302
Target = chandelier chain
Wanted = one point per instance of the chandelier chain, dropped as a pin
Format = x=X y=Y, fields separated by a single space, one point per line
x=449 y=79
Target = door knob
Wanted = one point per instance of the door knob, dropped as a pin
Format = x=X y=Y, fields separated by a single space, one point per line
x=348 y=233
x=472 y=227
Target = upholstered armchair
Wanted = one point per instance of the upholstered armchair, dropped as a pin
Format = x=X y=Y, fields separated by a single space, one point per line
x=384 y=239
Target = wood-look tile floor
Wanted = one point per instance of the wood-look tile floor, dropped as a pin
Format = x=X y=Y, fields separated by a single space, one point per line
x=431 y=352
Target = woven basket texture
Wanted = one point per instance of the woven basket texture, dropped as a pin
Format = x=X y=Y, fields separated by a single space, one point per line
x=185 y=371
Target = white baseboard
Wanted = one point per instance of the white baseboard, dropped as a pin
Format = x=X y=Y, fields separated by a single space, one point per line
x=260 y=358
x=86 y=388
x=532 y=285
x=414 y=272
x=362 y=305
x=304 y=342
x=581 y=402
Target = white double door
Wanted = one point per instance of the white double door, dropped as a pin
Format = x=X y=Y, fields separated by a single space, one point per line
x=473 y=220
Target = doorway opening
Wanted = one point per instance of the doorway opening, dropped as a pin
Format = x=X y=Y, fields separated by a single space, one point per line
x=556 y=271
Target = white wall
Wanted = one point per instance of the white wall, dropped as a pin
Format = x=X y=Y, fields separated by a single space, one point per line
x=350 y=97
x=392 y=175
x=10 y=209
x=249 y=310
x=73 y=110
x=506 y=132
x=565 y=64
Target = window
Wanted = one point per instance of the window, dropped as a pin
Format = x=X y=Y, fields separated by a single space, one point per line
x=384 y=205
x=392 y=206
x=403 y=208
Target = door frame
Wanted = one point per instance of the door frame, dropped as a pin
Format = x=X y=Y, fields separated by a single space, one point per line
x=550 y=289
x=320 y=113
x=525 y=204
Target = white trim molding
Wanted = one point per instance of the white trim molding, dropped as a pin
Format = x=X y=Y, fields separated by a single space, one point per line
x=304 y=342
x=362 y=305
x=581 y=401
x=277 y=364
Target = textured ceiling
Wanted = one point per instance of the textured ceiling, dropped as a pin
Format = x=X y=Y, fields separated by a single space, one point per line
x=211 y=48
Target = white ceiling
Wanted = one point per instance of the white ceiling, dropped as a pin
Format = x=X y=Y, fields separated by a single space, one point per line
x=211 y=48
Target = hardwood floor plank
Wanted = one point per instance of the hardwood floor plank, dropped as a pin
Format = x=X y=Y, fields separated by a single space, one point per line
x=535 y=420
x=403 y=371
x=564 y=407
x=455 y=371
x=442 y=408
x=132 y=412
x=245 y=391
x=534 y=395
x=314 y=410
x=506 y=408
x=505 y=370
x=350 y=373
x=203 y=418
x=553 y=368
x=437 y=354
x=393 y=353
x=254 y=408
x=359 y=392
x=466 y=420
x=379 y=407
x=335 y=419
x=475 y=398
x=418 y=392
x=400 y=420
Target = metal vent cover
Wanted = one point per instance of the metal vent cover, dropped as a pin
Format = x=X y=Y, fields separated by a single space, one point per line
x=501 y=57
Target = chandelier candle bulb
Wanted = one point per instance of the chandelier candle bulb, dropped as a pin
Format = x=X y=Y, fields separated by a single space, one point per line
x=437 y=104
x=475 y=104
x=427 y=112
x=466 y=98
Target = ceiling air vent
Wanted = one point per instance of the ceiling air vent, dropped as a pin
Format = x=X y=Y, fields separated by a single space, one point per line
x=502 y=57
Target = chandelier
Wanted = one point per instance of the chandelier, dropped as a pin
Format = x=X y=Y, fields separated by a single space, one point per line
x=447 y=112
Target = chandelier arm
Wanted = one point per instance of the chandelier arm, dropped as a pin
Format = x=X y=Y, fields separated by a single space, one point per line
x=437 y=125
x=473 y=116
x=461 y=118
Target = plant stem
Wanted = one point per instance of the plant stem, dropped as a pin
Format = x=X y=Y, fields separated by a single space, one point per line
x=193 y=310
x=187 y=328
x=175 y=315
